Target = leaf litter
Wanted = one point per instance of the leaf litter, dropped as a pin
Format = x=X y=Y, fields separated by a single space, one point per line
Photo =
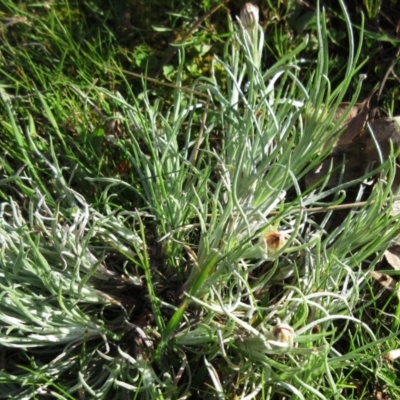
x=364 y=143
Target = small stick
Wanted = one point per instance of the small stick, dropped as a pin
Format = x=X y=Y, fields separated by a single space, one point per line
x=334 y=208
x=389 y=70
x=328 y=208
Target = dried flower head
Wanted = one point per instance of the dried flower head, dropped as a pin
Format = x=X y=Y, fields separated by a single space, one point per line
x=272 y=240
x=249 y=15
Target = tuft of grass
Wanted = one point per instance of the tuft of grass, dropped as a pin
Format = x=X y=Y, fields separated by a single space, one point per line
x=166 y=246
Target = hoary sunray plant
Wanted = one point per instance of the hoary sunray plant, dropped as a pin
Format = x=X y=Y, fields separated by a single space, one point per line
x=251 y=296
x=272 y=134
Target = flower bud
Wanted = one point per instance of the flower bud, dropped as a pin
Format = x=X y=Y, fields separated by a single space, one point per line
x=272 y=241
x=249 y=16
x=392 y=355
x=283 y=333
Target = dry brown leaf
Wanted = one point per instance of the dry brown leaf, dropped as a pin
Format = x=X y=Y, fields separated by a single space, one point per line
x=396 y=204
x=353 y=126
x=392 y=255
x=387 y=284
x=386 y=130
x=354 y=122
x=384 y=280
x=361 y=153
